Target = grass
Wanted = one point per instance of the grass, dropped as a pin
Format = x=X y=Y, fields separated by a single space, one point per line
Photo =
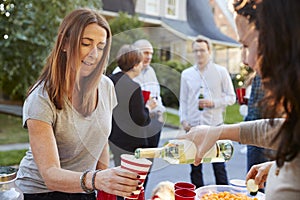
x=11 y=131
x=172 y=119
x=231 y=116
x=10 y=158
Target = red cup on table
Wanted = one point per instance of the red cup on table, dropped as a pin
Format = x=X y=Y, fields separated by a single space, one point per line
x=241 y=92
x=185 y=194
x=139 y=166
x=101 y=195
x=146 y=95
x=184 y=185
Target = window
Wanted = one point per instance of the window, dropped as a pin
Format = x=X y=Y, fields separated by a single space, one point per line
x=172 y=8
x=152 y=7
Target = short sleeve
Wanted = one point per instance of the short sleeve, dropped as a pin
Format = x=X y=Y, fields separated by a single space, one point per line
x=39 y=107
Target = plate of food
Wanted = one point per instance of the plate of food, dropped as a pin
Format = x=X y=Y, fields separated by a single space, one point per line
x=220 y=192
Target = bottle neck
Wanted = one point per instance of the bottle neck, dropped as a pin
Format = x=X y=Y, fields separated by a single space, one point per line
x=148 y=152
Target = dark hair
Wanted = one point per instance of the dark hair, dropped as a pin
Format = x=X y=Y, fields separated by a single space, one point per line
x=128 y=56
x=248 y=9
x=279 y=58
x=198 y=40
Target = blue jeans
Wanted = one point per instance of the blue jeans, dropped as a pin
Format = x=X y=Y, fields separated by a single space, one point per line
x=255 y=155
x=219 y=171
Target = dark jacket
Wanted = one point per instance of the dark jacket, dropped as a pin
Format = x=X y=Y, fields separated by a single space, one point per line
x=130 y=116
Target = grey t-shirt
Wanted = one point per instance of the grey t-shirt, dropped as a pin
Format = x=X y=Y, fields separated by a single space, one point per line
x=80 y=140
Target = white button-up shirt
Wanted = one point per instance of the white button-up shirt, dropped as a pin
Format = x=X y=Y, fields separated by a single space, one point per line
x=218 y=88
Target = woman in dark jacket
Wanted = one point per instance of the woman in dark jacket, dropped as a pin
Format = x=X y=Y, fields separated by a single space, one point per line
x=131 y=115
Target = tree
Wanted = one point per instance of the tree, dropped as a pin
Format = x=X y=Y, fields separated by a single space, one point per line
x=28 y=29
x=126 y=29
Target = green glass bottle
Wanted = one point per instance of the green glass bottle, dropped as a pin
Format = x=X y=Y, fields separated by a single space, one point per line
x=201 y=96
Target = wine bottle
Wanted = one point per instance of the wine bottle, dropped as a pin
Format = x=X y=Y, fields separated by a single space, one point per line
x=184 y=152
x=201 y=96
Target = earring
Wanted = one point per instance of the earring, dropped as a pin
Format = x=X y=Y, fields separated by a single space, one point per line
x=241 y=5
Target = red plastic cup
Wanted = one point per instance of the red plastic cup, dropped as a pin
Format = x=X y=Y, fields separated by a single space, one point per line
x=184 y=185
x=146 y=95
x=241 y=92
x=101 y=195
x=140 y=166
x=185 y=194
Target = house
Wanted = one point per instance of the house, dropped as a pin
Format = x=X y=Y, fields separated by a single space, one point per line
x=172 y=25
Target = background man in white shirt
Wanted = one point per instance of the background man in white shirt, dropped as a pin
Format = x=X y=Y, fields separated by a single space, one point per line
x=218 y=93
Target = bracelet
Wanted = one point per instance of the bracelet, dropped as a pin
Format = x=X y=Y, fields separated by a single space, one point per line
x=82 y=182
x=93 y=178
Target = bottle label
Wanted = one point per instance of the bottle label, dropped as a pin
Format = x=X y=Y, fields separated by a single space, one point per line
x=185 y=153
x=171 y=154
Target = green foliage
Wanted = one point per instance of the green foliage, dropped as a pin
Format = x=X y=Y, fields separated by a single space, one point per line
x=11 y=130
x=29 y=28
x=124 y=22
x=232 y=114
x=240 y=80
x=10 y=158
x=172 y=119
x=126 y=29
x=177 y=65
x=168 y=74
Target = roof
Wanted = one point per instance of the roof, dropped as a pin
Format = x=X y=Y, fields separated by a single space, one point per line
x=119 y=5
x=184 y=27
x=200 y=20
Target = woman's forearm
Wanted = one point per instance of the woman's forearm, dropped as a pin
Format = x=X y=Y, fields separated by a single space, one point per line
x=230 y=132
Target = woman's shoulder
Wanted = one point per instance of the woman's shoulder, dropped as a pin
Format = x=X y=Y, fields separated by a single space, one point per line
x=107 y=90
x=106 y=81
x=106 y=85
x=38 y=90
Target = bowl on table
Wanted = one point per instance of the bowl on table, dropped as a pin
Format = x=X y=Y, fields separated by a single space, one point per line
x=210 y=189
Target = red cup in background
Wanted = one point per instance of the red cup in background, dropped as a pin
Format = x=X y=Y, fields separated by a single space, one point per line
x=185 y=194
x=146 y=95
x=101 y=195
x=241 y=92
x=184 y=185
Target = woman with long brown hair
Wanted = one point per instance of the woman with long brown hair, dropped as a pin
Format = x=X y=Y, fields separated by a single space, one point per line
x=68 y=114
x=279 y=66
